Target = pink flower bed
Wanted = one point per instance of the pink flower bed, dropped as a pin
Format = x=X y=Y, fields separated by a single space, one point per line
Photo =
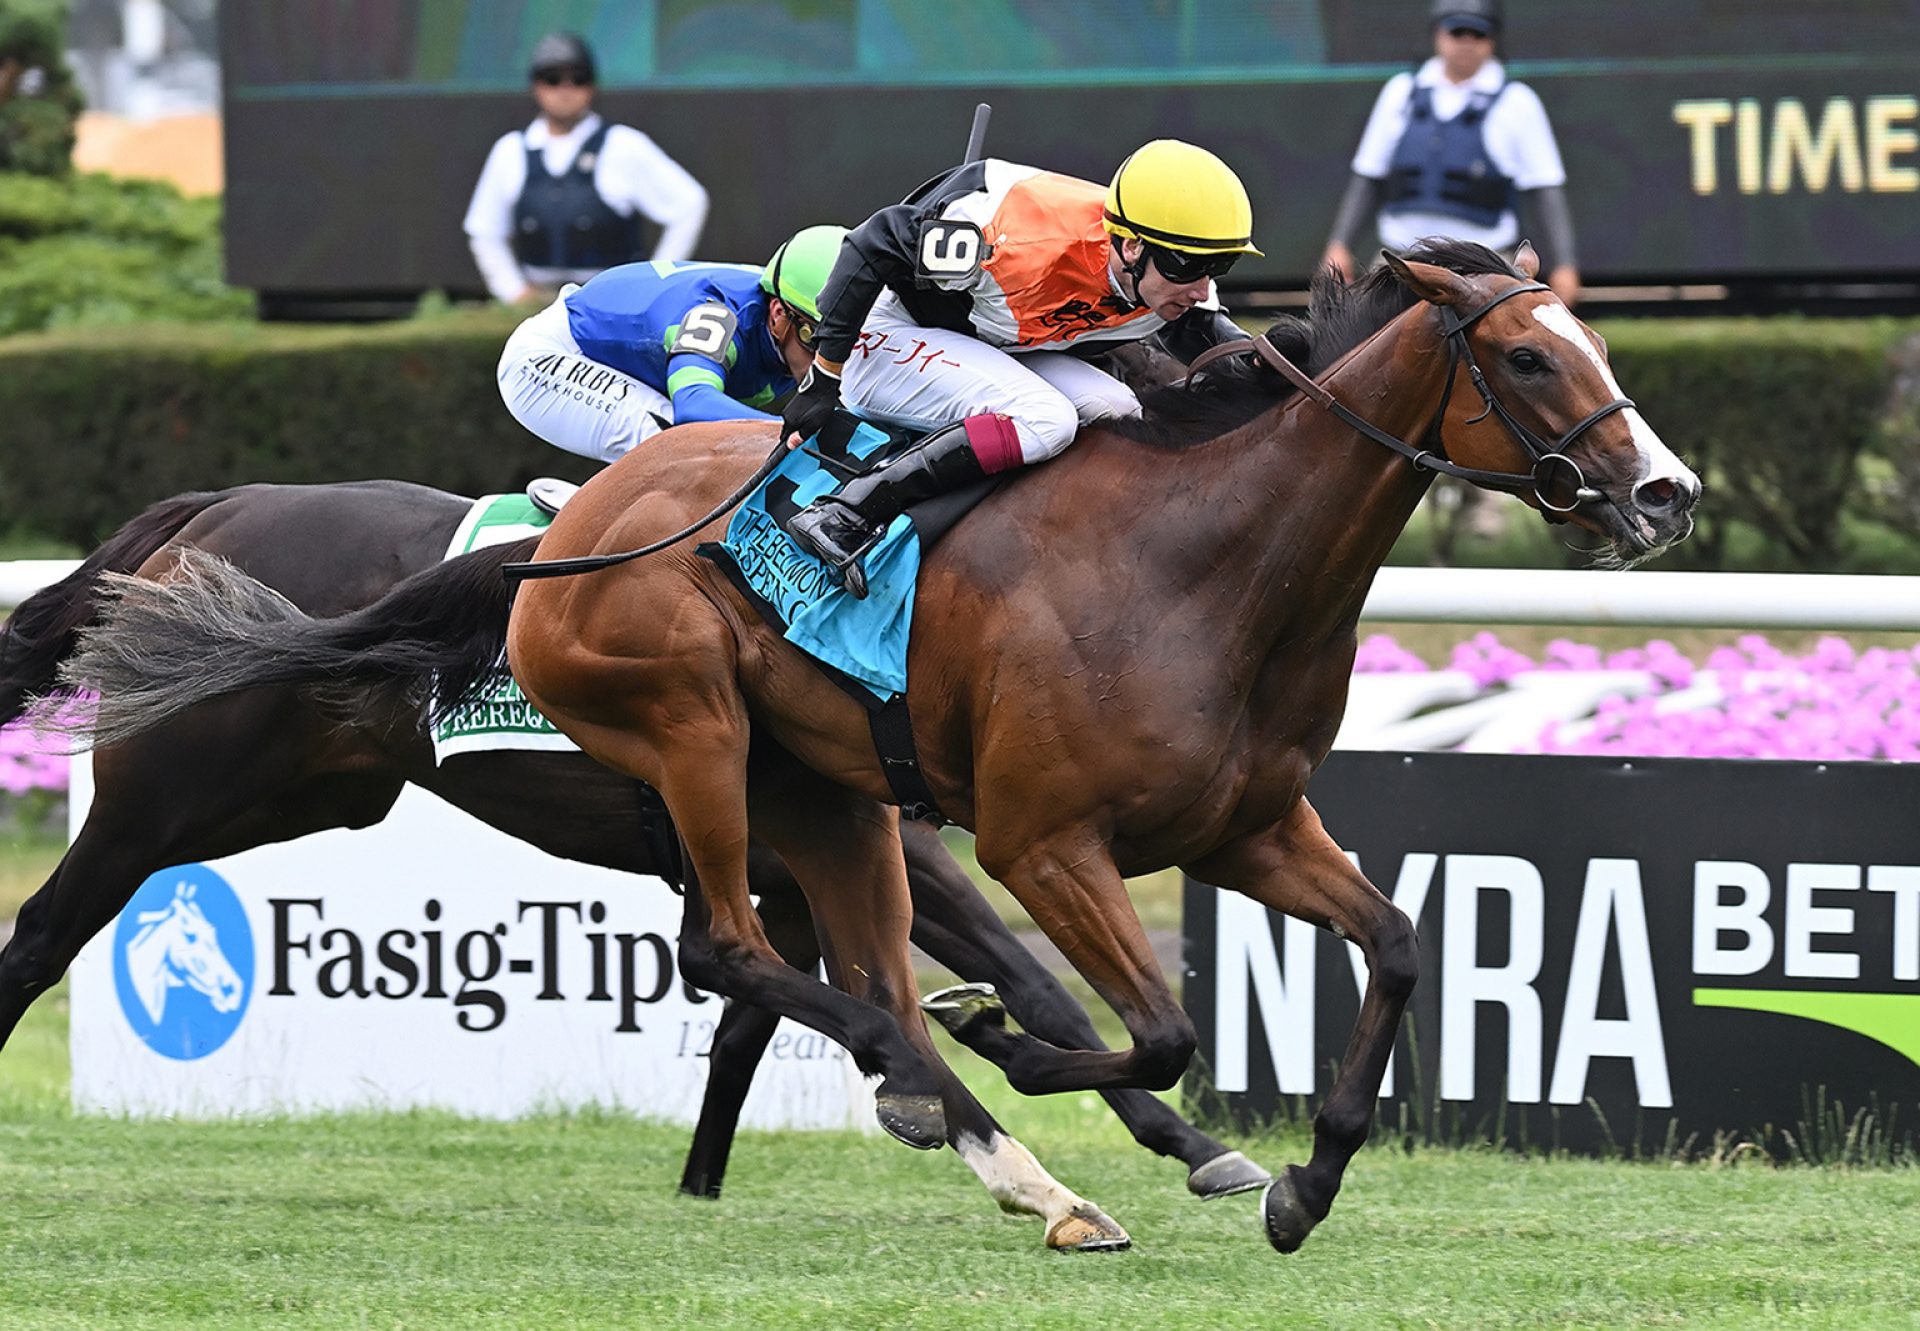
x=1832 y=704
x=30 y=762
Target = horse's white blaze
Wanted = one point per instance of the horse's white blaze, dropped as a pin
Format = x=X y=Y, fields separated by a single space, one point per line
x=1657 y=461
x=1015 y=1179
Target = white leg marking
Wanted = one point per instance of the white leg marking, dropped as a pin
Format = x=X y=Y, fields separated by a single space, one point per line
x=1015 y=1179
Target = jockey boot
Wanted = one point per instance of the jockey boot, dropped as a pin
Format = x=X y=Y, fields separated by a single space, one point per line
x=839 y=528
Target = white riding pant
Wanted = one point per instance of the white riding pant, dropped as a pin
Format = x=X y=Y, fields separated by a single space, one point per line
x=903 y=374
x=573 y=402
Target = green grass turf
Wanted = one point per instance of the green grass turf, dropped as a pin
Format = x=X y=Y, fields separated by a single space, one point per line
x=27 y=856
x=424 y=1220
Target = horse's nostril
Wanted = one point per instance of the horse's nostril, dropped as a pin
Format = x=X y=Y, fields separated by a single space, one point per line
x=1658 y=496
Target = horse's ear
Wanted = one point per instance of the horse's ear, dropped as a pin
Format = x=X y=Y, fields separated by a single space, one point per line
x=1526 y=260
x=1429 y=281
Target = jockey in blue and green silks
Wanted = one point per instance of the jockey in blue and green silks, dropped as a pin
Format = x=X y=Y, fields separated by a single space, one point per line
x=648 y=345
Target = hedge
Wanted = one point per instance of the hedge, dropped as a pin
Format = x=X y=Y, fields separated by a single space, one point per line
x=95 y=425
x=36 y=121
x=1799 y=426
x=1796 y=425
x=91 y=251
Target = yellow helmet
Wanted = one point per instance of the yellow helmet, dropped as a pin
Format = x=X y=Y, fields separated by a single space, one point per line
x=1180 y=197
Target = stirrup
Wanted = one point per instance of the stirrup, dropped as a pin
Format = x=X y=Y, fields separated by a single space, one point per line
x=847 y=573
x=548 y=493
x=853 y=573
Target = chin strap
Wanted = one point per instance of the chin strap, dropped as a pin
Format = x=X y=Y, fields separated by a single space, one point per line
x=1133 y=270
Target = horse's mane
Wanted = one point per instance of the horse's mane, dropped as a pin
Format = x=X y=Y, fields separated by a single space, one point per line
x=1340 y=315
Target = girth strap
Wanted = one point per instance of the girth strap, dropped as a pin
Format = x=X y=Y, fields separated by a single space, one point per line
x=900 y=760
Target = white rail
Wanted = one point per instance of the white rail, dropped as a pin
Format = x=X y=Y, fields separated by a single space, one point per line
x=1646 y=599
x=1527 y=596
x=21 y=578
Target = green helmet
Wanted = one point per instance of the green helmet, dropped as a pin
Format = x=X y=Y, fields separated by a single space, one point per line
x=799 y=268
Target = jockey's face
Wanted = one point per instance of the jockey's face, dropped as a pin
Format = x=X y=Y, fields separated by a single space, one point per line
x=1159 y=293
x=793 y=334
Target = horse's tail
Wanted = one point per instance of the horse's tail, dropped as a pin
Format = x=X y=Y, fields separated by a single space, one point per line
x=40 y=633
x=159 y=648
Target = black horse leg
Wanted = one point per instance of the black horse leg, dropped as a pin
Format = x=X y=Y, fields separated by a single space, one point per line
x=955 y=925
x=256 y=783
x=79 y=897
x=740 y=1040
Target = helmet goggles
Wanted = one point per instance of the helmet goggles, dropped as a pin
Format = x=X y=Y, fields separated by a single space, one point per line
x=1180 y=267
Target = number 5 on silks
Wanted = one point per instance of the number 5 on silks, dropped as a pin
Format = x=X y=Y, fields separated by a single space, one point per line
x=706 y=331
x=948 y=251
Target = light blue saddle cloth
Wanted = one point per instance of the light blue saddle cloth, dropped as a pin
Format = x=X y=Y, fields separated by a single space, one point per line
x=863 y=639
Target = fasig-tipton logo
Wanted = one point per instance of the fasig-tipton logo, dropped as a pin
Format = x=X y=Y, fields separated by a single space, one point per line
x=475 y=970
x=183 y=962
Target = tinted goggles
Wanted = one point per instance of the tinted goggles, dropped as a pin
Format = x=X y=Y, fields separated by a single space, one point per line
x=1181 y=267
x=565 y=77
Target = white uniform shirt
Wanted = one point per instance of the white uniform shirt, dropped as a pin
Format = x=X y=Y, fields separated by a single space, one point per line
x=633 y=173
x=1519 y=141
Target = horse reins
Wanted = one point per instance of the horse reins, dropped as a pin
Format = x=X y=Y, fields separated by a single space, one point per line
x=1553 y=471
x=566 y=568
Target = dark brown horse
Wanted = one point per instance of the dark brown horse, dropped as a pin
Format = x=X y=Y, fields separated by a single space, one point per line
x=274 y=766
x=1135 y=657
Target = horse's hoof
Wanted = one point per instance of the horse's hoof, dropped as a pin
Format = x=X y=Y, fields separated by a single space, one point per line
x=1086 y=1228
x=1288 y=1220
x=917 y=1120
x=961 y=1005
x=1225 y=1175
x=958 y=997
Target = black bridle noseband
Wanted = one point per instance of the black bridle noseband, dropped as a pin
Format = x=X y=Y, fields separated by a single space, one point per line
x=1556 y=479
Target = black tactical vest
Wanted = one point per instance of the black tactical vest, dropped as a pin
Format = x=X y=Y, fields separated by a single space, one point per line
x=1442 y=166
x=562 y=222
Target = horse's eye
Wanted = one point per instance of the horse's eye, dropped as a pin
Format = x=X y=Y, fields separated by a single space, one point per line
x=1527 y=362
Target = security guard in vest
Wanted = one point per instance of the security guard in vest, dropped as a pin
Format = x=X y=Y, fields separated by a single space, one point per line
x=1455 y=149
x=563 y=199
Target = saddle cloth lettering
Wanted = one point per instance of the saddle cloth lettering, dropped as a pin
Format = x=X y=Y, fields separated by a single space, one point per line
x=866 y=640
x=503 y=719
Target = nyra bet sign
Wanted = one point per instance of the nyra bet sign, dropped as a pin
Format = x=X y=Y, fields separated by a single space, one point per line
x=1633 y=952
x=425 y=961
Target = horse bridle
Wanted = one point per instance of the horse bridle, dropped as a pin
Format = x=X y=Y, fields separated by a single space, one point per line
x=1556 y=479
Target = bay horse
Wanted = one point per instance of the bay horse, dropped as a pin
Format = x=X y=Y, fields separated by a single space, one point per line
x=275 y=764
x=1131 y=658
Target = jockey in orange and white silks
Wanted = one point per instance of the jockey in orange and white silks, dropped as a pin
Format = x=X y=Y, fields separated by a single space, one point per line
x=969 y=305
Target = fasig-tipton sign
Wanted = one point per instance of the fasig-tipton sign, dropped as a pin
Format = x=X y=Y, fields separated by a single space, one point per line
x=427 y=961
x=1614 y=954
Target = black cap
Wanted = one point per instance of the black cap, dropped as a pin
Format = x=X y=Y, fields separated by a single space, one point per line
x=561 y=50
x=1482 y=16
